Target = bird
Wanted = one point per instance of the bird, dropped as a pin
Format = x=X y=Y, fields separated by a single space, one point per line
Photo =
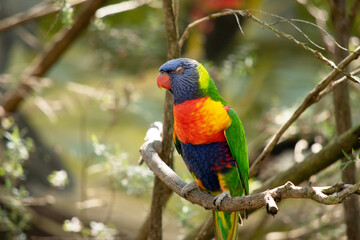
x=209 y=136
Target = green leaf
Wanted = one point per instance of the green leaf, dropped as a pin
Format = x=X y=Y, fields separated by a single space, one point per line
x=346 y=155
x=350 y=160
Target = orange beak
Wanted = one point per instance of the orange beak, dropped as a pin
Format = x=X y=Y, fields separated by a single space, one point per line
x=163 y=80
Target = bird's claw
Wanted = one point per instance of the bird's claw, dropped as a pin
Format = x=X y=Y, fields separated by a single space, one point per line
x=218 y=198
x=188 y=188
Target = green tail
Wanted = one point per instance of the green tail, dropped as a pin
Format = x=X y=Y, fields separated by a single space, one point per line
x=226 y=225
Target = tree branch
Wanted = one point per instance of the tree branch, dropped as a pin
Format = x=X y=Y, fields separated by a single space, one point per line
x=321 y=17
x=310 y=99
x=316 y=162
x=335 y=84
x=247 y=14
x=161 y=193
x=41 y=65
x=323 y=195
x=43 y=9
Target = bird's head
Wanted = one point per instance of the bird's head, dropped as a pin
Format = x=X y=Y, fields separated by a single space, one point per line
x=185 y=78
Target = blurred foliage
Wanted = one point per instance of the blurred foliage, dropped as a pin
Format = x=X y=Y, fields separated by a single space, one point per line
x=14 y=218
x=129 y=44
x=134 y=180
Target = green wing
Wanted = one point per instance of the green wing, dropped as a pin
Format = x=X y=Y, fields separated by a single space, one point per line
x=235 y=137
x=177 y=143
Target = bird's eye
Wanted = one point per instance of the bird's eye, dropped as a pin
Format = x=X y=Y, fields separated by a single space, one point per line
x=179 y=70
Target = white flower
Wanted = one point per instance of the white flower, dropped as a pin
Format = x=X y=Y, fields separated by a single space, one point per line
x=101 y=231
x=96 y=228
x=73 y=225
x=58 y=178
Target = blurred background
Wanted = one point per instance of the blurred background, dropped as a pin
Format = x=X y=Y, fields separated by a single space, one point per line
x=69 y=158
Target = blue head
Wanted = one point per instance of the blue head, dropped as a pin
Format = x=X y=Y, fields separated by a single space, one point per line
x=181 y=77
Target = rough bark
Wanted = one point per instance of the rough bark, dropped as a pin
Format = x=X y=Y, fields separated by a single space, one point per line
x=161 y=192
x=324 y=195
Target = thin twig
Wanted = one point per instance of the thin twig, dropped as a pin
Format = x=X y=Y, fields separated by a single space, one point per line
x=334 y=84
x=290 y=21
x=321 y=16
x=317 y=54
x=246 y=13
x=307 y=102
x=192 y=25
x=317 y=26
x=237 y=20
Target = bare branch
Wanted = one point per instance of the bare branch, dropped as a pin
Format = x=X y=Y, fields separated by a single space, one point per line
x=42 y=9
x=290 y=21
x=307 y=102
x=192 y=25
x=304 y=46
x=334 y=84
x=271 y=206
x=323 y=195
x=315 y=163
x=246 y=13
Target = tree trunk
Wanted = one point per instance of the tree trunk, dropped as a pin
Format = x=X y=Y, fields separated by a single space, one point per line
x=343 y=115
x=161 y=192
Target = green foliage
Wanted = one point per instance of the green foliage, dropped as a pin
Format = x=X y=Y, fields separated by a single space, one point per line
x=14 y=218
x=66 y=13
x=351 y=159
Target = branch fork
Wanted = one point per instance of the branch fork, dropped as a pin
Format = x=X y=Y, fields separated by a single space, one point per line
x=324 y=195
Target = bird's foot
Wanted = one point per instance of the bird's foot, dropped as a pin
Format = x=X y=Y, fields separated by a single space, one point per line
x=188 y=188
x=218 y=198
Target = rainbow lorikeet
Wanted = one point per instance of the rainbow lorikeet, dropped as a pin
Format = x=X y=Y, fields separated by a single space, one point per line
x=209 y=136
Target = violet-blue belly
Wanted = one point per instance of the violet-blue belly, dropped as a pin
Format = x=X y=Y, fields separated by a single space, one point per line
x=207 y=160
